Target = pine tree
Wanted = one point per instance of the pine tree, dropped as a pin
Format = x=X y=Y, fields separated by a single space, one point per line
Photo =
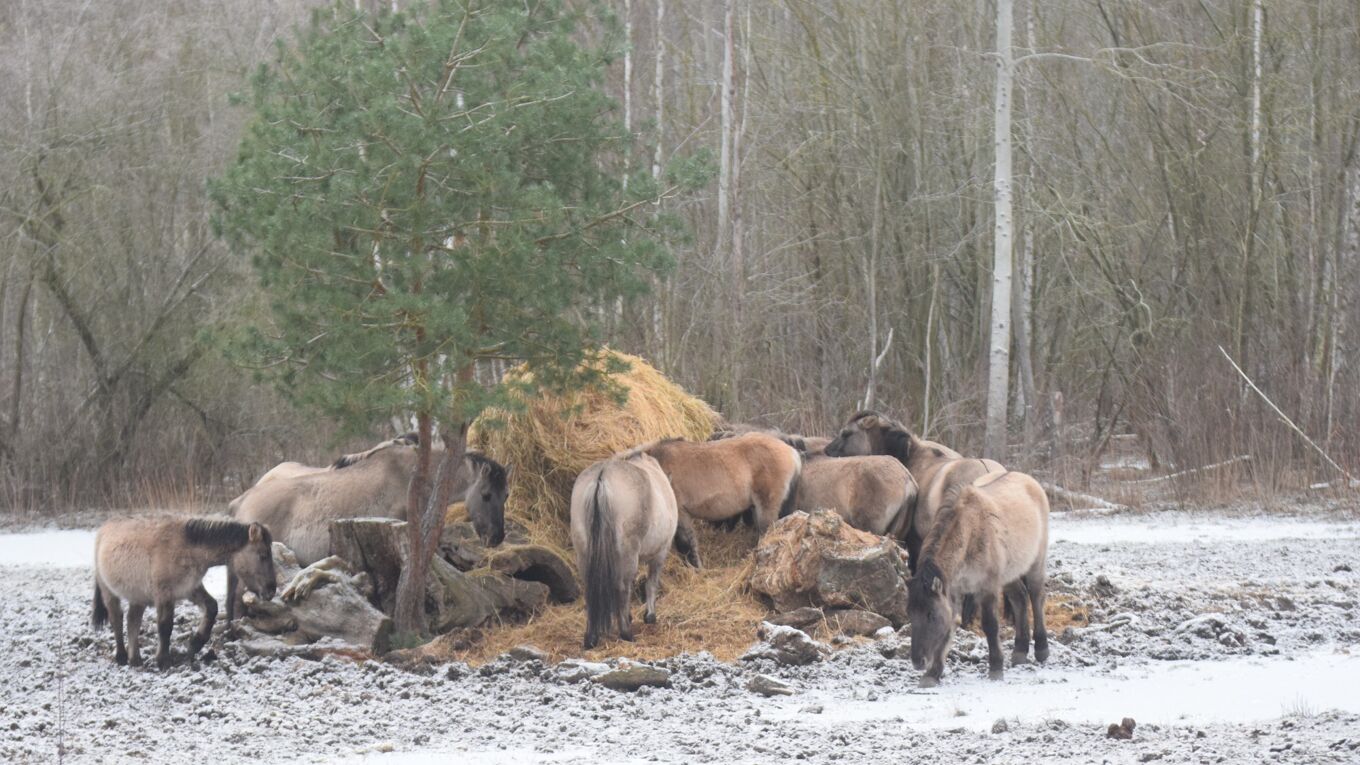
x=426 y=190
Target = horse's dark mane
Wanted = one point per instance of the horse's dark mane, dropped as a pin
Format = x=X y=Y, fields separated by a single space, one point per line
x=496 y=473
x=926 y=574
x=345 y=460
x=216 y=532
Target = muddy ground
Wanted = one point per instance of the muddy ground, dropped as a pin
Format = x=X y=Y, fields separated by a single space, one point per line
x=1228 y=636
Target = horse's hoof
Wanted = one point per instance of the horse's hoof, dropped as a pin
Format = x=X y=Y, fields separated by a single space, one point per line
x=163 y=662
x=649 y=618
x=1041 y=654
x=996 y=674
x=626 y=636
x=120 y=658
x=196 y=644
x=134 y=661
x=1019 y=658
x=929 y=682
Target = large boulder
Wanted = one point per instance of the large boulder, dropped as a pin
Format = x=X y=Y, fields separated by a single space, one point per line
x=819 y=560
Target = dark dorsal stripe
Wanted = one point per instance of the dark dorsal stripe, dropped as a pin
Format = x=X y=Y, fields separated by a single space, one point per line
x=217 y=532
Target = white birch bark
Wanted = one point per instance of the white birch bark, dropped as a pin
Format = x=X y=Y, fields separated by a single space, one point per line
x=998 y=368
x=728 y=126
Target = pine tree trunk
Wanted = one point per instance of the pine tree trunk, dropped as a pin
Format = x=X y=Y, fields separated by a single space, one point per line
x=998 y=367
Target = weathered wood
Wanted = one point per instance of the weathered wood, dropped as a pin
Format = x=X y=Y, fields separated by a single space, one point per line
x=536 y=563
x=378 y=546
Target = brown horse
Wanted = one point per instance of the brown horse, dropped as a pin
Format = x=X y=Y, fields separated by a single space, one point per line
x=160 y=561
x=936 y=468
x=717 y=480
x=874 y=493
x=622 y=511
x=993 y=537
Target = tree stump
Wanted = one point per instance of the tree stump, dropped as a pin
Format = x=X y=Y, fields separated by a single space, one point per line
x=378 y=546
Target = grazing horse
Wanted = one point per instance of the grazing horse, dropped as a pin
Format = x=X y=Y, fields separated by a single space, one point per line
x=160 y=561
x=295 y=469
x=808 y=446
x=992 y=537
x=717 y=480
x=622 y=511
x=936 y=467
x=874 y=494
x=375 y=483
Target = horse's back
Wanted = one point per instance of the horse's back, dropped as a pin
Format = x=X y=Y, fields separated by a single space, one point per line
x=1016 y=507
x=867 y=491
x=130 y=551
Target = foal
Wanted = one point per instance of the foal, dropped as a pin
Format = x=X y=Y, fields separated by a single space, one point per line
x=993 y=537
x=161 y=560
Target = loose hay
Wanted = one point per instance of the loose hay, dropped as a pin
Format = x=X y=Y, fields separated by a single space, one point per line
x=710 y=609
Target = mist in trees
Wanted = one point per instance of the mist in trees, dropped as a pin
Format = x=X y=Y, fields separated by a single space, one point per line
x=1184 y=175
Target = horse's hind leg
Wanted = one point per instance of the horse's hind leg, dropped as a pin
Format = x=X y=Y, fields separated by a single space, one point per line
x=165 y=625
x=114 y=604
x=233 y=592
x=1018 y=599
x=134 y=624
x=685 y=542
x=204 y=601
x=653 y=584
x=1034 y=583
x=991 y=627
x=626 y=583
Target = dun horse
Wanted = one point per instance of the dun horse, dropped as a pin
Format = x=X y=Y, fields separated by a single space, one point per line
x=717 y=480
x=295 y=469
x=622 y=511
x=374 y=483
x=993 y=537
x=160 y=561
x=936 y=467
x=874 y=494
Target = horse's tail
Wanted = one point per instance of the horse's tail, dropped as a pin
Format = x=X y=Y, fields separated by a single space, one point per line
x=101 y=611
x=790 y=502
x=605 y=599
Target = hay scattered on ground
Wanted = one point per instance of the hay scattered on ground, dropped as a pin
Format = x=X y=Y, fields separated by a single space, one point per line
x=554 y=438
x=710 y=609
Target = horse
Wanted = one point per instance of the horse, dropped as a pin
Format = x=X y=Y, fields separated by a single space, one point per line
x=874 y=494
x=622 y=511
x=808 y=446
x=160 y=561
x=717 y=480
x=991 y=536
x=374 y=483
x=295 y=469
x=936 y=467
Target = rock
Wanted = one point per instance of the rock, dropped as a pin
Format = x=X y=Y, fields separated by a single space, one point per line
x=818 y=560
x=1000 y=726
x=1214 y=626
x=883 y=633
x=811 y=709
x=769 y=686
x=526 y=653
x=633 y=677
x=856 y=622
x=1283 y=603
x=1122 y=730
x=576 y=670
x=798 y=618
x=1341 y=567
x=786 y=645
x=536 y=563
x=1104 y=586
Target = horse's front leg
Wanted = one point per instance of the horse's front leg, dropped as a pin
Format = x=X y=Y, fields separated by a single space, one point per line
x=135 y=613
x=991 y=627
x=1018 y=599
x=165 y=625
x=685 y=541
x=204 y=601
x=233 y=608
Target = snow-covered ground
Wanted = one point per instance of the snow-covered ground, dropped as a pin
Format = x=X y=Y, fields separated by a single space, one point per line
x=1228 y=639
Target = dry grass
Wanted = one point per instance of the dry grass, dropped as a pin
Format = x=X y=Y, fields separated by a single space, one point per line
x=710 y=609
x=554 y=438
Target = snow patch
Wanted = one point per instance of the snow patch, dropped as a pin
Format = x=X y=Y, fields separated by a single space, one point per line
x=1161 y=529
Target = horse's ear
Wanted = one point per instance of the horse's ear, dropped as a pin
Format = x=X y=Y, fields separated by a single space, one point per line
x=256 y=533
x=869 y=421
x=937 y=586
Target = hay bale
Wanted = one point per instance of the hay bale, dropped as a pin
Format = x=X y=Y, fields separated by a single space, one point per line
x=553 y=438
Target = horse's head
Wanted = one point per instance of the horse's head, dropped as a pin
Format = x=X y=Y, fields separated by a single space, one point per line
x=486 y=497
x=871 y=433
x=254 y=563
x=932 y=622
